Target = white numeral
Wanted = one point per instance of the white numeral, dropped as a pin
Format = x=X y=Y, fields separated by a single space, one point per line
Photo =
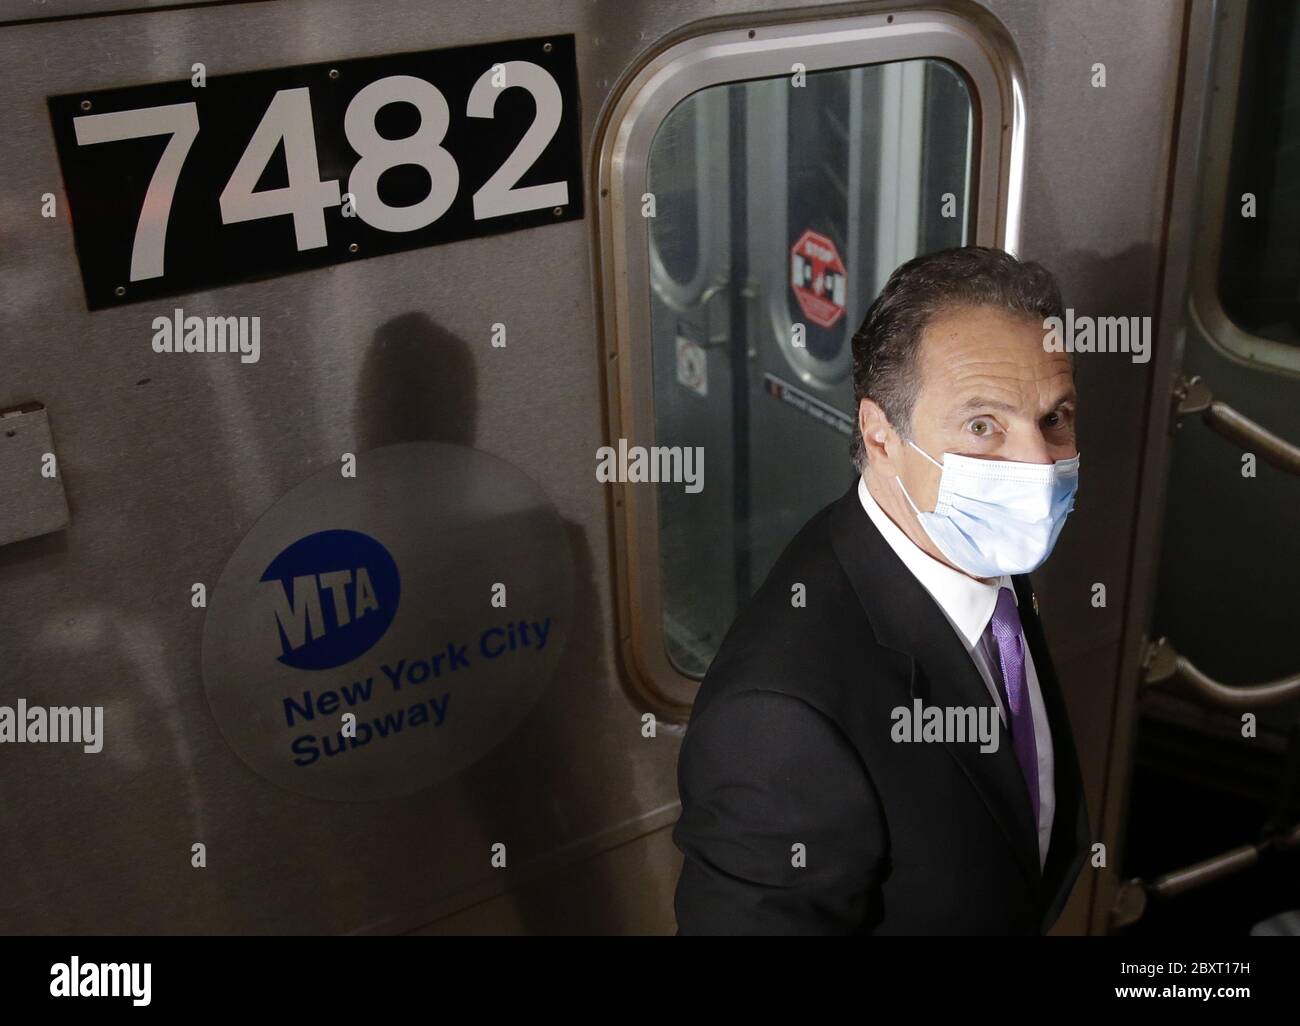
x=306 y=196
x=289 y=118
x=378 y=154
x=181 y=122
x=497 y=196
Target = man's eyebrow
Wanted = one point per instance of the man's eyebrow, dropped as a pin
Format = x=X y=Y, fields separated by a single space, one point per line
x=976 y=403
x=980 y=403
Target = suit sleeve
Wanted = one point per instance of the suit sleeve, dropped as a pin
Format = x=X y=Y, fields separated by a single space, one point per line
x=759 y=773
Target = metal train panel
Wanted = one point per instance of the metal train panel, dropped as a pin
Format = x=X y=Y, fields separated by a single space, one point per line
x=417 y=440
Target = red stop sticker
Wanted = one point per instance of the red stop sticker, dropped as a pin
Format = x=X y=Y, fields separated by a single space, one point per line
x=818 y=279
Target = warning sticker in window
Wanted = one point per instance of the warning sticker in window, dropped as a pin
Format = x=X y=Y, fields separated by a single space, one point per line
x=818 y=278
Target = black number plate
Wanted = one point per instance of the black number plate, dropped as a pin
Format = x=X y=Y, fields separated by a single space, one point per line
x=177 y=187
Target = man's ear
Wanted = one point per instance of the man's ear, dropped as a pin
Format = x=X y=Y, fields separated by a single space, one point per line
x=875 y=430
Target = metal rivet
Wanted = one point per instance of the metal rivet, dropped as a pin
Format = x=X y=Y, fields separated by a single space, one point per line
x=120 y=290
x=85 y=105
x=353 y=248
x=334 y=72
x=558 y=211
x=546 y=47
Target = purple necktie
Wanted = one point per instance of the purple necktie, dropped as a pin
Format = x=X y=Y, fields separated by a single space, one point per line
x=1005 y=626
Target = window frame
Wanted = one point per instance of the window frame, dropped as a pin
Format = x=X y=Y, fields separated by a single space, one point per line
x=975 y=45
x=1204 y=307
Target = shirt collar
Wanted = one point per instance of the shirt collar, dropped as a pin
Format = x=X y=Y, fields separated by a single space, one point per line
x=967 y=603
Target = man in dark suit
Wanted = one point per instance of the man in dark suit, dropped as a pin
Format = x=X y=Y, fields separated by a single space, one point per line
x=881 y=745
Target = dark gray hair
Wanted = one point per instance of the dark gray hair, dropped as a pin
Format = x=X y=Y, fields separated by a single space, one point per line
x=885 y=366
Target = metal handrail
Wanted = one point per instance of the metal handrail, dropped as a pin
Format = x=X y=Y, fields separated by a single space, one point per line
x=1164 y=664
x=1194 y=396
x=1131 y=901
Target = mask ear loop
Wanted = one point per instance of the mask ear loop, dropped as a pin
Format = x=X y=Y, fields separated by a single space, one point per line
x=924 y=453
x=900 y=480
x=907 y=497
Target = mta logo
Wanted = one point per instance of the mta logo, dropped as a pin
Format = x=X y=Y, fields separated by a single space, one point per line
x=333 y=595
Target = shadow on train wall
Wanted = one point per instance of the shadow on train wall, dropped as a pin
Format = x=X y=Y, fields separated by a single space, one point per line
x=418 y=383
x=131 y=815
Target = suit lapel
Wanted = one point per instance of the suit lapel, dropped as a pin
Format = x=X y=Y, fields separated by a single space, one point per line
x=905 y=618
x=1068 y=848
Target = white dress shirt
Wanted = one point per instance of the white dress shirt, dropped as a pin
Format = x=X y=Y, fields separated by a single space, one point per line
x=968 y=605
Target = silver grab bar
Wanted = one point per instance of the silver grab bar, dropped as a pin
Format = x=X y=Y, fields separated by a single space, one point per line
x=1131 y=900
x=1194 y=396
x=1164 y=664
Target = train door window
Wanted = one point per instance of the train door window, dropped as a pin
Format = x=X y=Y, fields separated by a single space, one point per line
x=1247 y=293
x=759 y=189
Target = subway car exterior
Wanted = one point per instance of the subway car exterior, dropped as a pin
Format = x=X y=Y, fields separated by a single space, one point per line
x=332 y=331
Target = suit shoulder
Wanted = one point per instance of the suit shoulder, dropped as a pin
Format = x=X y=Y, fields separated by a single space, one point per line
x=807 y=574
x=800 y=632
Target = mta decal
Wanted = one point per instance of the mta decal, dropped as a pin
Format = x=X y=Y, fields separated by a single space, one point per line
x=332 y=596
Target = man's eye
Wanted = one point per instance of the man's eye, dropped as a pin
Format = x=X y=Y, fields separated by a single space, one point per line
x=981 y=427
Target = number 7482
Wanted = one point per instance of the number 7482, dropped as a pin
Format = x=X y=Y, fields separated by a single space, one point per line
x=288 y=118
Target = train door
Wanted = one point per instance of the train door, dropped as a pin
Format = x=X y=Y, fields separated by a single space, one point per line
x=1212 y=820
x=837 y=147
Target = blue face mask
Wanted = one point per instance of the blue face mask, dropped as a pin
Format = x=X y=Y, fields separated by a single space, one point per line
x=995 y=517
